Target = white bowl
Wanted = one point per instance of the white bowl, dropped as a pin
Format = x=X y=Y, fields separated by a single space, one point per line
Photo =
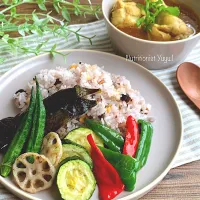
x=151 y=54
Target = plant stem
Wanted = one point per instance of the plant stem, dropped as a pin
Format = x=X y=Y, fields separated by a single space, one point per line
x=83 y=7
x=40 y=23
x=10 y=7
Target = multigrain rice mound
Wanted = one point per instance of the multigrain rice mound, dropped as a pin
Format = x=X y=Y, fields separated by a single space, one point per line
x=116 y=101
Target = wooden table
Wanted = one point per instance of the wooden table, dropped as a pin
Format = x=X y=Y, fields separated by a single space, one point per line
x=181 y=183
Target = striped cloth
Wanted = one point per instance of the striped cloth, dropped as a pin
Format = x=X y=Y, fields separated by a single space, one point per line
x=190 y=150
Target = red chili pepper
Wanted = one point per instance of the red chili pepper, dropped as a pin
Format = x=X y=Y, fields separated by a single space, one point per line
x=108 y=179
x=132 y=137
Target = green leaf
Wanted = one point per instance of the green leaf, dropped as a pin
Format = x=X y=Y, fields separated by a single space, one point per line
x=140 y=21
x=39 y=46
x=25 y=49
x=147 y=5
x=152 y=10
x=77 y=11
x=53 y=48
x=26 y=18
x=55 y=5
x=78 y=37
x=5 y=1
x=76 y=2
x=173 y=10
x=26 y=27
x=66 y=14
x=21 y=30
x=78 y=30
x=52 y=53
x=35 y=17
x=36 y=30
x=5 y=38
x=28 y=1
x=42 y=6
x=13 y=11
x=11 y=41
x=2 y=18
x=2 y=60
x=15 y=1
x=44 y=21
x=38 y=23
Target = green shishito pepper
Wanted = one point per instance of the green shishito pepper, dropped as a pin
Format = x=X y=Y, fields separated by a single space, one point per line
x=144 y=143
x=125 y=166
x=112 y=139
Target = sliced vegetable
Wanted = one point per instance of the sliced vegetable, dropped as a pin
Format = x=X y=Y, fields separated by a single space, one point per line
x=70 y=150
x=67 y=113
x=8 y=127
x=108 y=180
x=75 y=180
x=19 y=139
x=109 y=143
x=144 y=143
x=36 y=176
x=111 y=138
x=61 y=107
x=125 y=166
x=39 y=118
x=52 y=148
x=79 y=136
x=66 y=97
x=132 y=137
x=68 y=159
x=82 y=92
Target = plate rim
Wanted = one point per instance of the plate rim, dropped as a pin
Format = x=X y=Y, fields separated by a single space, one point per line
x=146 y=189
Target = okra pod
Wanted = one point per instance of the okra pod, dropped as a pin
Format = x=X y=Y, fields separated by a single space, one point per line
x=19 y=139
x=39 y=118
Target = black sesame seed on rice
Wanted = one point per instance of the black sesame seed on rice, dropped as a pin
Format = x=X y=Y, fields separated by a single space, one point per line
x=57 y=81
x=20 y=91
x=125 y=97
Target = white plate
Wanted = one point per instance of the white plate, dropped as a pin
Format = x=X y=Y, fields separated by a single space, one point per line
x=167 y=127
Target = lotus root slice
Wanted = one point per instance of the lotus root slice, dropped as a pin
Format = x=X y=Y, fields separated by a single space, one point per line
x=52 y=148
x=33 y=172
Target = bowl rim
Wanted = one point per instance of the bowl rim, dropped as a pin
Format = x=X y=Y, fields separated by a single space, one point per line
x=20 y=193
x=142 y=40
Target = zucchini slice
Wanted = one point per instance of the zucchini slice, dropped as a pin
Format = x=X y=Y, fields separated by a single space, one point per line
x=79 y=136
x=75 y=180
x=70 y=150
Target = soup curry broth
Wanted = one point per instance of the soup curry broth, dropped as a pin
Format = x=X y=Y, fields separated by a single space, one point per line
x=183 y=26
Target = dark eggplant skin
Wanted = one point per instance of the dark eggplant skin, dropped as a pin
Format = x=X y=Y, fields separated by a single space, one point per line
x=61 y=107
x=8 y=127
x=73 y=110
x=65 y=97
x=82 y=92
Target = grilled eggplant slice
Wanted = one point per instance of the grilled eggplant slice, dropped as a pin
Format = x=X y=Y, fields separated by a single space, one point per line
x=8 y=127
x=70 y=111
x=61 y=107
x=82 y=92
x=65 y=97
